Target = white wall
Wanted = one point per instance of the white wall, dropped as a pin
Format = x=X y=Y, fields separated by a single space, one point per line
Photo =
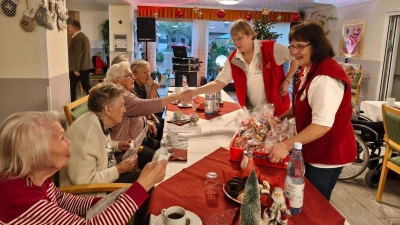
x=91 y=16
x=375 y=13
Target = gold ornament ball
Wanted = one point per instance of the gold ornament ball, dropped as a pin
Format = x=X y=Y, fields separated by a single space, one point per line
x=155 y=15
x=200 y=13
x=279 y=17
x=195 y=9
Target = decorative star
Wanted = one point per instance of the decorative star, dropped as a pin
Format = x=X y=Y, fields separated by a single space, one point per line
x=120 y=22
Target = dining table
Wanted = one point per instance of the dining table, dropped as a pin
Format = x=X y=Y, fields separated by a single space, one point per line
x=373 y=109
x=209 y=151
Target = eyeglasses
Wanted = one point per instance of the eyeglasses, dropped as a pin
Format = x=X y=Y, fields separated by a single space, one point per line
x=298 y=48
x=130 y=75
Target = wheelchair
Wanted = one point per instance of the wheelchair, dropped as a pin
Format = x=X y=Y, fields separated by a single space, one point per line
x=369 y=142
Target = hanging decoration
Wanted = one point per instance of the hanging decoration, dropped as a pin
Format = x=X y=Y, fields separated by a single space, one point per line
x=179 y=13
x=295 y=16
x=279 y=17
x=265 y=11
x=195 y=10
x=249 y=17
x=155 y=15
x=262 y=27
x=200 y=14
x=221 y=14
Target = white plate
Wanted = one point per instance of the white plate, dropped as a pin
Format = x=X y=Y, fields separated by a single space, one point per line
x=181 y=106
x=194 y=219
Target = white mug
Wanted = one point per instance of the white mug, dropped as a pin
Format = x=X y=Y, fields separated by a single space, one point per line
x=174 y=215
x=390 y=101
x=178 y=115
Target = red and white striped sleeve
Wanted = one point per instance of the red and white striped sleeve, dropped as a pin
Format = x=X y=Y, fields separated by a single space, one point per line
x=68 y=209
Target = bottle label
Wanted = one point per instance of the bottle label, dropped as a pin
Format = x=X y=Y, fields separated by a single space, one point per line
x=295 y=193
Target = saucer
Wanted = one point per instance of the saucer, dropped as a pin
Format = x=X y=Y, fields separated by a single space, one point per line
x=194 y=219
x=181 y=106
x=183 y=119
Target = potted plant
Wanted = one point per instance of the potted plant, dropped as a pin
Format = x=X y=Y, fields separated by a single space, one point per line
x=105 y=34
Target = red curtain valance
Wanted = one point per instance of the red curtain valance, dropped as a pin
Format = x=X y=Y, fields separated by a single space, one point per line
x=208 y=14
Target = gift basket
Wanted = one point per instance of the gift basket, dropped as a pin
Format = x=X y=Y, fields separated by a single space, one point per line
x=257 y=132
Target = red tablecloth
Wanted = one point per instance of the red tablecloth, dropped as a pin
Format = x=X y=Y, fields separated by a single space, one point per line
x=225 y=108
x=186 y=189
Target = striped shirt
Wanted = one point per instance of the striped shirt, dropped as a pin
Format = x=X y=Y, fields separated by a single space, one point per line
x=21 y=202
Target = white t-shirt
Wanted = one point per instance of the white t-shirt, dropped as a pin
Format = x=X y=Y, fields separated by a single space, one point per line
x=324 y=96
x=255 y=82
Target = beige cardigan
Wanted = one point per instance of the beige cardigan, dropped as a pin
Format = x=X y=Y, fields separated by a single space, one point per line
x=88 y=162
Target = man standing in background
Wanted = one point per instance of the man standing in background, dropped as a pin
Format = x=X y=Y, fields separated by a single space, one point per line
x=79 y=59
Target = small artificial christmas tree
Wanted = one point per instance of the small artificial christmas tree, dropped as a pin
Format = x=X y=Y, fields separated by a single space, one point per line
x=262 y=26
x=250 y=213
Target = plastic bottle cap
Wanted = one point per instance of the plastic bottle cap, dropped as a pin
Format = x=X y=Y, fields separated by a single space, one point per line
x=298 y=145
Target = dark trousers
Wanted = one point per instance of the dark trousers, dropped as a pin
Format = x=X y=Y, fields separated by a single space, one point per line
x=160 y=128
x=73 y=81
x=150 y=145
x=324 y=179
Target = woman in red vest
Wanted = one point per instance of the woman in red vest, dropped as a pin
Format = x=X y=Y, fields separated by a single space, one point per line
x=322 y=109
x=256 y=68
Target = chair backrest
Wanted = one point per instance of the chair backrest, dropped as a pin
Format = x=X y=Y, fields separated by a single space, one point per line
x=391 y=122
x=75 y=109
x=358 y=78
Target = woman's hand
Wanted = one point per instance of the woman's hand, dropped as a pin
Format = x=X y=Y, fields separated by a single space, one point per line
x=152 y=128
x=278 y=152
x=124 y=145
x=127 y=165
x=152 y=173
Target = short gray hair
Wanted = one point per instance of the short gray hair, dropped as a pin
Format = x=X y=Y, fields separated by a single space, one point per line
x=138 y=64
x=105 y=93
x=25 y=143
x=116 y=70
x=119 y=58
x=347 y=68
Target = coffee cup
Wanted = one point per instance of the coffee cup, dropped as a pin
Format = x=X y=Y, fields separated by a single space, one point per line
x=390 y=101
x=178 y=115
x=174 y=215
x=172 y=138
x=184 y=103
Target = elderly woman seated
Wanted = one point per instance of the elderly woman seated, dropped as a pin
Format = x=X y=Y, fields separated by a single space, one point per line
x=33 y=147
x=134 y=119
x=146 y=88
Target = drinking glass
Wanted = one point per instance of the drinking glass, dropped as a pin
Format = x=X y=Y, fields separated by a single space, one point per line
x=195 y=103
x=211 y=183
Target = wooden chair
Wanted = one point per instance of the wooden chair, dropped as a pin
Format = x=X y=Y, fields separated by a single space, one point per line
x=391 y=122
x=75 y=109
x=356 y=85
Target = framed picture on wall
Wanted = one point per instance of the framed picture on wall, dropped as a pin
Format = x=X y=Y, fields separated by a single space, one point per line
x=352 y=39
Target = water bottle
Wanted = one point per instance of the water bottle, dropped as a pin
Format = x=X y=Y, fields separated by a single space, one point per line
x=208 y=105
x=216 y=103
x=294 y=182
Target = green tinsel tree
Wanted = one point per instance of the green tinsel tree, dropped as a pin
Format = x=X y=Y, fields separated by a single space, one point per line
x=250 y=212
x=262 y=26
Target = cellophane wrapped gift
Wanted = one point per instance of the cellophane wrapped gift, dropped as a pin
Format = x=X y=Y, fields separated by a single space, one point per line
x=258 y=131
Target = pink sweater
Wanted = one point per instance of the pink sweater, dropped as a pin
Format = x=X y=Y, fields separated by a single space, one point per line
x=133 y=121
x=24 y=203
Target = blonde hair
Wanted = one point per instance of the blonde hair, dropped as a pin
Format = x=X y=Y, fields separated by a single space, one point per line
x=117 y=70
x=241 y=26
x=347 y=68
x=25 y=143
x=119 y=58
x=138 y=64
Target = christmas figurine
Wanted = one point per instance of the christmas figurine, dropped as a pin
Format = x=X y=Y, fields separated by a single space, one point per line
x=278 y=209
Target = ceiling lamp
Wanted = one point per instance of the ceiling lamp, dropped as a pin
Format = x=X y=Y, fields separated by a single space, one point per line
x=229 y=2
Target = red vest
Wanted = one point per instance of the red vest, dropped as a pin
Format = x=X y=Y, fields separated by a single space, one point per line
x=273 y=76
x=338 y=145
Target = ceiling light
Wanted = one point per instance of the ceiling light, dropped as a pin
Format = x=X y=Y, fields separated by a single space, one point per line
x=229 y=2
